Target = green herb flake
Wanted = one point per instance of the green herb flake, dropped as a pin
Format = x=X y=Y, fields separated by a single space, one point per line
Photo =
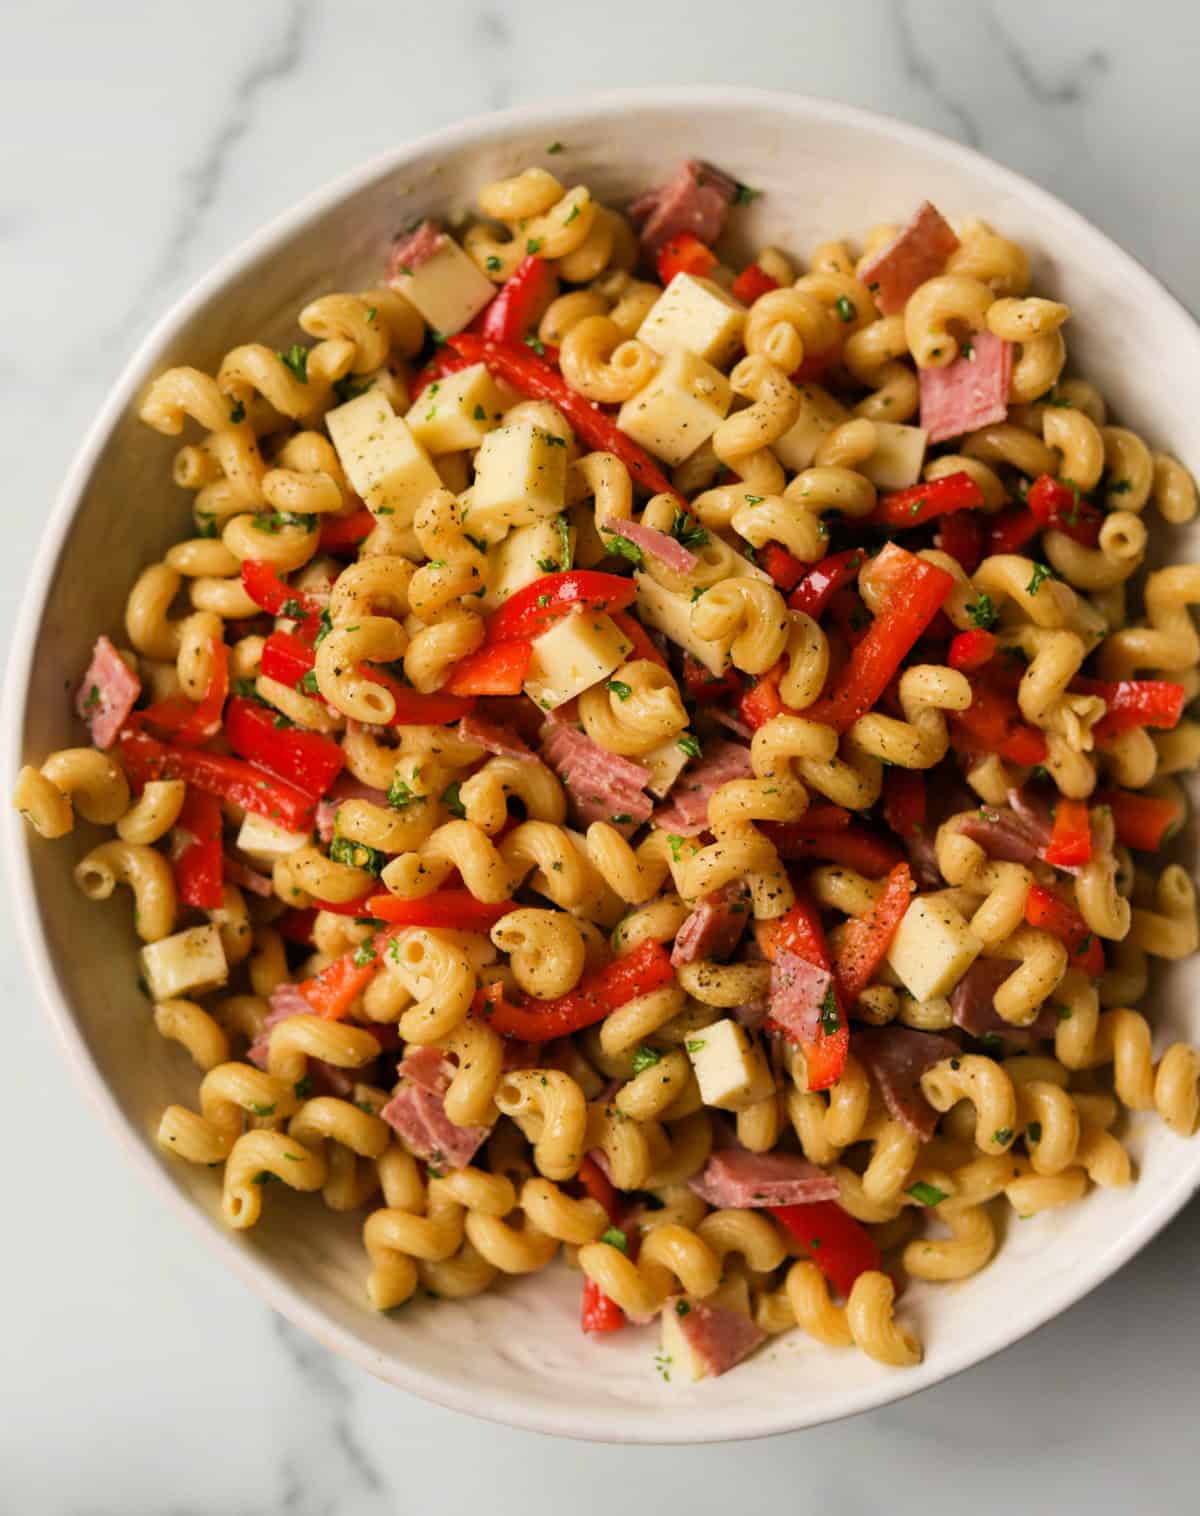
x=357 y=855
x=982 y=611
x=926 y=1194
x=831 y=1021
x=296 y=358
x=682 y=1308
x=1002 y=1135
x=400 y=794
x=324 y=627
x=621 y=547
x=688 y=532
x=451 y=799
x=93 y=697
x=492 y=264
x=695 y=1044
x=615 y=1238
x=263 y=1110
x=845 y=308
x=307 y=683
x=645 y=1058
x=689 y=745
x=675 y=844
x=662 y=1363
x=533 y=245
x=303 y=1087
x=621 y=690
x=744 y=195
x=1041 y=572
x=238 y=413
x=1033 y=1132
x=554 y=148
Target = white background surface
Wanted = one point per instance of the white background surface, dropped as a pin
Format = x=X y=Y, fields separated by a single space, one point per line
x=140 y=140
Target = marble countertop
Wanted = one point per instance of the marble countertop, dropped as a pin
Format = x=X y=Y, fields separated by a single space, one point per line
x=139 y=141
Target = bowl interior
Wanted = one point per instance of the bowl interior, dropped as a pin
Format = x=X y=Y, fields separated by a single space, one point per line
x=517 y=1354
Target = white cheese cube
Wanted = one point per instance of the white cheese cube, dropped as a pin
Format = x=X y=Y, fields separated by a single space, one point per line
x=933 y=948
x=526 y=554
x=819 y=414
x=456 y=412
x=695 y=314
x=185 y=963
x=520 y=476
x=574 y=654
x=681 y=407
x=665 y=763
x=447 y=289
x=730 y=1068
x=898 y=456
x=263 y=840
x=384 y=462
x=671 y=613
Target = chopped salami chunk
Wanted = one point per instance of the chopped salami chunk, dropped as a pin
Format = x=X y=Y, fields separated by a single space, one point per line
x=108 y=693
x=695 y=200
x=687 y=814
x=411 y=249
x=288 y=1000
x=970 y=392
x=742 y=1180
x=419 y=1118
x=247 y=878
x=896 y=1057
x=716 y=1337
x=922 y=855
x=1006 y=835
x=973 y=1005
x=428 y=1068
x=732 y=724
x=603 y=786
x=714 y=928
x=798 y=995
x=917 y=252
x=655 y=544
x=493 y=737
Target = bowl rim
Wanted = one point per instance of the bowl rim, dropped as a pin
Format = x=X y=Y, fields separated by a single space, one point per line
x=620 y=1424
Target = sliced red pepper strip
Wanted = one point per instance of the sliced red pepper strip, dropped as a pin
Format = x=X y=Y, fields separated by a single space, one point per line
x=245 y=784
x=818 y=820
x=345 y=907
x=340 y=532
x=853 y=847
x=970 y=650
x=1059 y=504
x=762 y=700
x=456 y=909
x=1142 y=822
x=866 y=939
x=684 y=254
x=785 y=569
x=520 y=301
x=917 y=592
x=751 y=283
x=639 y=637
x=539 y=381
x=1049 y=912
x=416 y=709
x=1011 y=530
x=647 y=968
x=702 y=685
x=920 y=503
x=297 y=925
x=597 y=1312
x=199 y=866
x=824 y=579
x=961 y=535
x=841 y=1247
x=287 y=658
x=306 y=759
x=443 y=363
x=264 y=586
x=537 y=606
x=1134 y=703
x=498 y=669
x=799 y=931
x=332 y=992
x=193 y=722
x=992 y=724
x=904 y=801
x=600 y=1187
x=1070 y=844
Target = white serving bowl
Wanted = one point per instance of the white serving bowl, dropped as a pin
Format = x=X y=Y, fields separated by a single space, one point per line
x=516 y=1354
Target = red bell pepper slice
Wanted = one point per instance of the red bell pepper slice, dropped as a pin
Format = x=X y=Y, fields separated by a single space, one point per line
x=799 y=931
x=818 y=820
x=297 y=925
x=685 y=254
x=498 y=669
x=356 y=907
x=332 y=992
x=1011 y=530
x=597 y=1312
x=600 y=1188
x=920 y=503
x=455 y=909
x=917 y=592
x=1058 y=504
x=1070 y=844
x=443 y=363
x=701 y=684
x=961 y=535
x=751 y=283
x=1134 y=703
x=633 y=630
x=824 y=579
x=647 y=968
x=904 y=801
x=992 y=724
x=852 y=847
x=1051 y=913
x=264 y=586
x=306 y=759
x=970 y=650
x=866 y=939
x=416 y=709
x=199 y=867
x=191 y=723
x=536 y=379
x=785 y=569
x=1142 y=822
x=813 y=365
x=762 y=699
x=841 y=1247
x=245 y=784
x=520 y=301
x=287 y=658
x=537 y=606
x=341 y=532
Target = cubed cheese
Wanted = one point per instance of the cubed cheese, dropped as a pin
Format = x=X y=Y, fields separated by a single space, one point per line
x=185 y=963
x=447 y=289
x=671 y=613
x=520 y=476
x=574 y=654
x=263 y=840
x=695 y=314
x=665 y=763
x=819 y=414
x=681 y=407
x=730 y=1067
x=898 y=456
x=933 y=948
x=524 y=555
x=384 y=462
x=456 y=412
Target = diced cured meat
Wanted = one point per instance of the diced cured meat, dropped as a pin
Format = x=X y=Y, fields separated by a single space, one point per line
x=655 y=544
x=345 y=787
x=731 y=723
x=1006 y=835
x=603 y=786
x=287 y=1000
x=973 y=1005
x=687 y=814
x=411 y=249
x=917 y=252
x=797 y=995
x=427 y=1067
x=247 y=878
x=714 y=928
x=896 y=1057
x=108 y=693
x=922 y=855
x=741 y=1180
x=970 y=392
x=493 y=737
x=420 y=1119
x=695 y=200
x=752 y=1015
x=718 y=1337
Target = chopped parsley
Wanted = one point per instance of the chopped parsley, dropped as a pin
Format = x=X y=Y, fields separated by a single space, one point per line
x=357 y=855
x=533 y=245
x=573 y=216
x=662 y=1362
x=623 y=548
x=536 y=344
x=831 y=1021
x=451 y=800
x=479 y=413
x=682 y=1308
x=400 y=794
x=1033 y=1132
x=364 y=953
x=982 y=611
x=926 y=1194
x=307 y=683
x=555 y=147
x=688 y=532
x=237 y=413
x=1041 y=572
x=303 y=1087
x=967 y=350
x=689 y=745
x=674 y=843
x=1002 y=1135
x=695 y=1044
x=324 y=627
x=492 y=264
x=93 y=697
x=645 y=1058
x=615 y=1238
x=296 y=358
x=207 y=526
x=744 y=195
x=845 y=308
x=1121 y=487
x=263 y=1110
x=697 y=591
x=275 y=521
x=618 y=688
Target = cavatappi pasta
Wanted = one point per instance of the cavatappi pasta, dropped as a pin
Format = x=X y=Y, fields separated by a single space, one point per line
x=658 y=763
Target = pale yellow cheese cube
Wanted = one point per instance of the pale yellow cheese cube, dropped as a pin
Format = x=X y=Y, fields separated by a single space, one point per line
x=186 y=963
x=577 y=652
x=681 y=407
x=525 y=554
x=665 y=763
x=898 y=456
x=384 y=462
x=456 y=412
x=695 y=314
x=933 y=948
x=263 y=840
x=819 y=414
x=520 y=476
x=447 y=289
x=730 y=1067
x=671 y=613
